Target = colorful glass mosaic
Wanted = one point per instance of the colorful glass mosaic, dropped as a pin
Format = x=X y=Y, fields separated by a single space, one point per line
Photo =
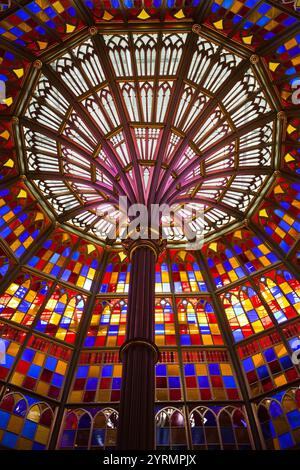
x=97 y=378
x=20 y=222
x=58 y=258
x=186 y=273
x=142 y=11
x=8 y=163
x=209 y=376
x=170 y=429
x=89 y=429
x=168 y=381
x=267 y=364
x=249 y=21
x=39 y=24
x=226 y=14
x=281 y=291
x=42 y=367
x=251 y=250
x=223 y=264
x=162 y=277
x=292 y=151
x=11 y=340
x=198 y=323
x=264 y=23
x=116 y=276
x=25 y=423
x=217 y=427
x=245 y=312
x=61 y=316
x=23 y=298
x=292 y=334
x=281 y=220
x=287 y=195
x=82 y=266
x=21 y=230
x=164 y=323
x=108 y=324
x=52 y=256
x=4 y=263
x=292 y=157
x=279 y=417
x=7 y=166
x=279 y=225
x=12 y=75
x=284 y=65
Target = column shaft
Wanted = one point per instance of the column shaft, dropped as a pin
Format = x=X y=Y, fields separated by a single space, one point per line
x=136 y=422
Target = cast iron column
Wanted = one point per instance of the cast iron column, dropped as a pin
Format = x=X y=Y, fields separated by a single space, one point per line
x=139 y=353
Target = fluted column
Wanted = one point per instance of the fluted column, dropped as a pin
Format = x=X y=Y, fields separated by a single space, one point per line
x=139 y=353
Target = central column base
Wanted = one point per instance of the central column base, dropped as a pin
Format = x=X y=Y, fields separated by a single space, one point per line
x=136 y=431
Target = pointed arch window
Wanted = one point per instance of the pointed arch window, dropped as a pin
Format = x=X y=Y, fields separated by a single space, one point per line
x=198 y=324
x=245 y=312
x=23 y=298
x=25 y=422
x=170 y=429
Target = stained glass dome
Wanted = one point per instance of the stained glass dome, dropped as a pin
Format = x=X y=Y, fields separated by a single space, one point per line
x=188 y=125
x=187 y=103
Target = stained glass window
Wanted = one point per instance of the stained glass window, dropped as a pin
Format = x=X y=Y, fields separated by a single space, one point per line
x=281 y=291
x=286 y=62
x=280 y=219
x=164 y=323
x=209 y=376
x=267 y=364
x=12 y=201
x=279 y=417
x=23 y=298
x=225 y=14
x=198 y=323
x=62 y=314
x=11 y=341
x=186 y=273
x=82 y=266
x=170 y=429
x=41 y=22
x=52 y=256
x=89 y=429
x=116 y=277
x=97 y=378
x=245 y=312
x=4 y=264
x=25 y=422
x=42 y=367
x=252 y=251
x=19 y=226
x=292 y=334
x=262 y=23
x=216 y=428
x=223 y=264
x=108 y=324
x=168 y=381
x=162 y=277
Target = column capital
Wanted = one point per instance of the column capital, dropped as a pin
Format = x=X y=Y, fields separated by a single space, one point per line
x=157 y=246
x=140 y=342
